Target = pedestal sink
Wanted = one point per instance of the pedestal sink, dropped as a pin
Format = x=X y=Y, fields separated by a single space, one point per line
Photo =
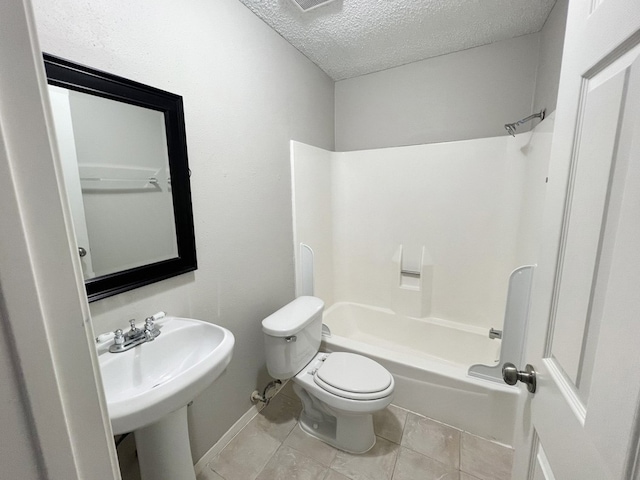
x=149 y=386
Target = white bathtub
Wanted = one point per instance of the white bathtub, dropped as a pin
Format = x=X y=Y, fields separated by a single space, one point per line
x=429 y=359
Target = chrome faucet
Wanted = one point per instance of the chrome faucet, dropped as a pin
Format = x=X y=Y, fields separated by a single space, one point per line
x=150 y=330
x=134 y=332
x=493 y=333
x=136 y=336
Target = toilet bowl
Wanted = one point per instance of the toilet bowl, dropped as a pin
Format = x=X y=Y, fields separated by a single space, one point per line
x=339 y=391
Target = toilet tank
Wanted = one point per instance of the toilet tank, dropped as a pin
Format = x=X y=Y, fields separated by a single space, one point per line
x=292 y=336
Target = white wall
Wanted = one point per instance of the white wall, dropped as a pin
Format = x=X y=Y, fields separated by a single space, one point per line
x=458 y=199
x=463 y=95
x=312 y=192
x=534 y=154
x=246 y=92
x=475 y=205
x=551 y=44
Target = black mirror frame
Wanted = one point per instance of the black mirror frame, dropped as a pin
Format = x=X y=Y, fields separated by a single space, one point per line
x=66 y=74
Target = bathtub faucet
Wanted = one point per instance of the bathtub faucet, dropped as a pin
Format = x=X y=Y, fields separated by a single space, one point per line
x=493 y=333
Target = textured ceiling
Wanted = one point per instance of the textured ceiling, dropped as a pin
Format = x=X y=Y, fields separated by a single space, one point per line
x=347 y=38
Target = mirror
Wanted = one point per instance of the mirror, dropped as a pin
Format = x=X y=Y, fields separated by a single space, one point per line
x=124 y=159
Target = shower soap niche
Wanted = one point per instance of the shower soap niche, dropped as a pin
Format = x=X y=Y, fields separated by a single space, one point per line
x=413 y=281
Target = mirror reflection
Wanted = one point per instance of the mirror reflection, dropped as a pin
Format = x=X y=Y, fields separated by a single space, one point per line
x=116 y=173
x=123 y=151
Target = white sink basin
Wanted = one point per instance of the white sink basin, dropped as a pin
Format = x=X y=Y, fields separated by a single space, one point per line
x=149 y=381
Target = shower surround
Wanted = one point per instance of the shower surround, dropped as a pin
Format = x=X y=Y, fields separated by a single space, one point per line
x=412 y=251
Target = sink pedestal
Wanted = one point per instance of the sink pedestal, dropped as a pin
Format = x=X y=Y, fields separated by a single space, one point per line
x=164 y=452
x=149 y=386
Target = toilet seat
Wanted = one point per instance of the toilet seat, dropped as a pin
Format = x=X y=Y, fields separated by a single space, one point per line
x=353 y=376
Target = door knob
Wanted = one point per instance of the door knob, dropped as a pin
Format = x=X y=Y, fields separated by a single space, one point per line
x=511 y=375
x=81 y=251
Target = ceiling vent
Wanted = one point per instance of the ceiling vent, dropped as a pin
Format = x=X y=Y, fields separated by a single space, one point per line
x=306 y=5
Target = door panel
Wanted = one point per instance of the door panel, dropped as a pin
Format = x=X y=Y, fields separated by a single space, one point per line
x=570 y=319
x=542 y=468
x=582 y=423
x=611 y=420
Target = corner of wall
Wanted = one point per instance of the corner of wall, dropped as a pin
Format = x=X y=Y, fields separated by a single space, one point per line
x=550 y=58
x=439 y=99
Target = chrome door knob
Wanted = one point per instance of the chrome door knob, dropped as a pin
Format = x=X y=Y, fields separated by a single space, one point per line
x=511 y=375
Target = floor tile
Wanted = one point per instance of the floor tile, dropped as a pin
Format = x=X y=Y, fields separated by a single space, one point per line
x=290 y=464
x=413 y=466
x=484 y=459
x=455 y=475
x=466 y=476
x=287 y=390
x=279 y=417
x=376 y=464
x=311 y=447
x=436 y=440
x=208 y=474
x=246 y=455
x=272 y=447
x=389 y=423
x=333 y=475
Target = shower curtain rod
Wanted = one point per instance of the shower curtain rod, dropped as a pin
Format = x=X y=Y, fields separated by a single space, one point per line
x=511 y=127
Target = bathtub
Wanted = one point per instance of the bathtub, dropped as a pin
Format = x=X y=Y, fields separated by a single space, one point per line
x=429 y=359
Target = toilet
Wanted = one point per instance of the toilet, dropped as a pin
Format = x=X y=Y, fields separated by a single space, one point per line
x=339 y=391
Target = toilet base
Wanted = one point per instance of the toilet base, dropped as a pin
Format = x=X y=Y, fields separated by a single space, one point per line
x=356 y=442
x=350 y=433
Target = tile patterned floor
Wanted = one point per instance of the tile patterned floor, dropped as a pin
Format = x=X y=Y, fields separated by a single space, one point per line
x=408 y=447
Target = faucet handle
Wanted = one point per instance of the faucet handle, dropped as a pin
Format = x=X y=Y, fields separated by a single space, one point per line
x=150 y=330
x=157 y=316
x=118 y=338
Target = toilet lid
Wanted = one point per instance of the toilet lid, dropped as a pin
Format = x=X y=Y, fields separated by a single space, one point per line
x=353 y=373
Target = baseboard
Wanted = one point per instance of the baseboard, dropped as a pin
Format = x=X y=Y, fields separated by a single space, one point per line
x=227 y=437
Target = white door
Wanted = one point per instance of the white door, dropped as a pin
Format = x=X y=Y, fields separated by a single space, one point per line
x=67 y=435
x=61 y=110
x=584 y=334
